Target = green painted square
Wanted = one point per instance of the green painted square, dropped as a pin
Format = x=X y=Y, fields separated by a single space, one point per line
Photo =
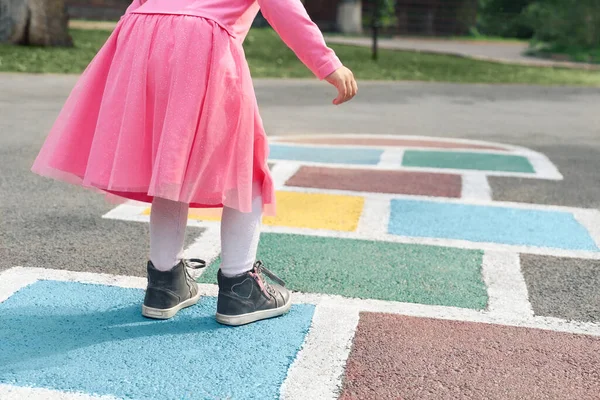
x=466 y=160
x=373 y=270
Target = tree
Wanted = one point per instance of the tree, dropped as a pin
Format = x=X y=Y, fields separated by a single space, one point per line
x=34 y=22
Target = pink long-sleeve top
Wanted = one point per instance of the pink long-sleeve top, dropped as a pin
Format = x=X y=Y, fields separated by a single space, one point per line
x=288 y=17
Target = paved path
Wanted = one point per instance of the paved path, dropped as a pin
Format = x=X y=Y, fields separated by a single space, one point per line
x=505 y=52
x=442 y=241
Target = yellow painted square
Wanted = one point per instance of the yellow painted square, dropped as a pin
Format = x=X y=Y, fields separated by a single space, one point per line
x=303 y=210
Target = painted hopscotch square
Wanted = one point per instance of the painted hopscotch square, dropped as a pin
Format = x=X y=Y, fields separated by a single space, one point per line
x=364 y=156
x=467 y=160
x=373 y=270
x=362 y=180
x=304 y=210
x=476 y=360
x=565 y=288
x=92 y=339
x=490 y=224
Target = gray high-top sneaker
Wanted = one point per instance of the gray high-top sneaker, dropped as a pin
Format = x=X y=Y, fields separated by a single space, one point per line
x=170 y=291
x=249 y=297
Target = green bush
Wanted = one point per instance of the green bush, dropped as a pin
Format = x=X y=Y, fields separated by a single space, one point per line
x=565 y=24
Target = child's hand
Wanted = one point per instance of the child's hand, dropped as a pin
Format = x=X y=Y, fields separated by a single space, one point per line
x=343 y=80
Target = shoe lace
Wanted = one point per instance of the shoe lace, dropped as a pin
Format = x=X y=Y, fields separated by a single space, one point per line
x=259 y=270
x=193 y=263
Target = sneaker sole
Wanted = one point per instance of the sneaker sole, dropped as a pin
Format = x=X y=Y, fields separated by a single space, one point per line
x=243 y=319
x=166 y=313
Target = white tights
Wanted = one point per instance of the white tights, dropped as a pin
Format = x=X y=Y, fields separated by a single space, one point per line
x=240 y=233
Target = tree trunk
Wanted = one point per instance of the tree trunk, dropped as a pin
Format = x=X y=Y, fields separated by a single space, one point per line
x=34 y=22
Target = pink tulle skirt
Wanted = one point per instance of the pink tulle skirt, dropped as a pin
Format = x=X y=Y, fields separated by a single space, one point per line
x=167 y=108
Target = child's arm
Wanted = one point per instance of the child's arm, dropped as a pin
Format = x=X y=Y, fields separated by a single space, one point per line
x=291 y=21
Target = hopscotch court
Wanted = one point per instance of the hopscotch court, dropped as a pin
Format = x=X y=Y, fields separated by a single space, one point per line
x=386 y=239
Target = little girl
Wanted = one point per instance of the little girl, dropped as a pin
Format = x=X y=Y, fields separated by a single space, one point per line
x=166 y=114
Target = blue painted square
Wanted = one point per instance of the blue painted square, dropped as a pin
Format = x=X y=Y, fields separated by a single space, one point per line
x=92 y=339
x=503 y=225
x=326 y=154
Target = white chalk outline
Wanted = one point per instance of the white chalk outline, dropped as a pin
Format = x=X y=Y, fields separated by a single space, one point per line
x=375 y=216
x=385 y=148
x=506 y=287
x=318 y=369
x=282 y=171
x=283 y=138
x=16 y=278
x=391 y=158
x=475 y=186
x=590 y=220
x=8 y=392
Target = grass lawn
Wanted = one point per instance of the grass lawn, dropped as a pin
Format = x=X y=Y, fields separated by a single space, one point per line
x=268 y=57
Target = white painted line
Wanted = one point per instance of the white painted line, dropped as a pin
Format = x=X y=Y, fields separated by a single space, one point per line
x=393 y=136
x=506 y=287
x=282 y=171
x=8 y=392
x=319 y=367
x=14 y=279
x=343 y=304
x=395 y=148
x=209 y=290
x=354 y=306
x=590 y=220
x=375 y=217
x=373 y=231
x=462 y=244
x=391 y=158
x=467 y=315
x=206 y=247
x=542 y=165
x=132 y=212
x=31 y=275
x=129 y=211
x=475 y=186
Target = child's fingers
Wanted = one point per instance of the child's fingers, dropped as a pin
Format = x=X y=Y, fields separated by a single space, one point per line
x=349 y=91
x=338 y=99
x=341 y=94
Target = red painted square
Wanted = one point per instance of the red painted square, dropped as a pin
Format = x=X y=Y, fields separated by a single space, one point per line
x=377 y=181
x=399 y=357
